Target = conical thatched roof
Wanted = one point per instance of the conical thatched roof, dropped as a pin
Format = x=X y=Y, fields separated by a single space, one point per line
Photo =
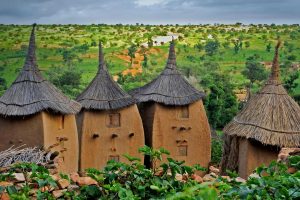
x=103 y=93
x=271 y=116
x=30 y=93
x=170 y=87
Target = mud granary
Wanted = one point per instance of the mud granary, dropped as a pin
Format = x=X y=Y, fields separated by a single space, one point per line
x=109 y=123
x=174 y=116
x=35 y=113
x=270 y=120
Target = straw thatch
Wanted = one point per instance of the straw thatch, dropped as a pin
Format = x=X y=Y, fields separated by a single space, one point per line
x=30 y=93
x=271 y=116
x=20 y=154
x=170 y=87
x=103 y=93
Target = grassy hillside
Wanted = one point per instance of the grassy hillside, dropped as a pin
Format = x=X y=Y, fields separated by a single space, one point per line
x=75 y=47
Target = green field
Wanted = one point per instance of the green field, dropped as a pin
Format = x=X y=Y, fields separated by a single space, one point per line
x=81 y=41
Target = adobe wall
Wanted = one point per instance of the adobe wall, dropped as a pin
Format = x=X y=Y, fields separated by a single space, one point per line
x=16 y=131
x=253 y=154
x=170 y=131
x=61 y=132
x=98 y=142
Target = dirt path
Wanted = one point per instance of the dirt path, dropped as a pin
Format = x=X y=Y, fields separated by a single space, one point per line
x=136 y=67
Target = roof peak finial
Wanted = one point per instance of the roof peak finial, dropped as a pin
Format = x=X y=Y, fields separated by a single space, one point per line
x=172 y=56
x=275 y=74
x=101 y=57
x=31 y=57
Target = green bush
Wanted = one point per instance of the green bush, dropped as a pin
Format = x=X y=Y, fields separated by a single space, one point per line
x=216 y=150
x=134 y=181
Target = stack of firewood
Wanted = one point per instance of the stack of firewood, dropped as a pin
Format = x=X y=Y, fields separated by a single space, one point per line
x=27 y=155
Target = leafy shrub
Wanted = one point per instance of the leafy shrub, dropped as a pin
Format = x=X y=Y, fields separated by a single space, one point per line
x=273 y=182
x=134 y=181
x=216 y=150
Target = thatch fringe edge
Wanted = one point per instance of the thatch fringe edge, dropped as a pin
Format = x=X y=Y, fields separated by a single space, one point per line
x=167 y=100
x=263 y=135
x=106 y=104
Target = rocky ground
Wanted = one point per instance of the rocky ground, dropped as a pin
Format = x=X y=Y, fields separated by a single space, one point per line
x=74 y=181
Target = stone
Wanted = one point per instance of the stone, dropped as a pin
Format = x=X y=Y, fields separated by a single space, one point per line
x=185 y=177
x=4 y=169
x=73 y=187
x=178 y=177
x=63 y=183
x=74 y=177
x=208 y=178
x=18 y=177
x=286 y=152
x=55 y=177
x=292 y=170
x=53 y=171
x=214 y=170
x=5 y=184
x=240 y=180
x=45 y=188
x=197 y=178
x=58 y=193
x=19 y=185
x=283 y=157
x=86 y=181
x=254 y=175
x=226 y=177
x=4 y=196
x=33 y=192
x=213 y=174
x=159 y=173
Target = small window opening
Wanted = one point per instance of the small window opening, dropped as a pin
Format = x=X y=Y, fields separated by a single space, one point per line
x=184 y=112
x=114 y=120
x=182 y=150
x=115 y=158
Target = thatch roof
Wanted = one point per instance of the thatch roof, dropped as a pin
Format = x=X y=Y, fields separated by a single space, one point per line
x=30 y=93
x=170 y=87
x=103 y=93
x=271 y=116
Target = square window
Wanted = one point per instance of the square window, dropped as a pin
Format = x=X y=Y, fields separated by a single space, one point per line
x=114 y=120
x=115 y=158
x=184 y=112
x=182 y=150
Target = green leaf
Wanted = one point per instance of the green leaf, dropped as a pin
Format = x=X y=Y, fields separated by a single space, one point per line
x=295 y=161
x=131 y=158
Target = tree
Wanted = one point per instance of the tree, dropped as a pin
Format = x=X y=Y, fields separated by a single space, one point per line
x=268 y=47
x=211 y=47
x=93 y=43
x=131 y=52
x=103 y=40
x=226 y=45
x=221 y=103
x=69 y=57
x=238 y=45
x=254 y=71
x=198 y=46
x=69 y=80
x=214 y=105
x=290 y=82
x=145 y=61
x=3 y=85
x=247 y=44
x=150 y=42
